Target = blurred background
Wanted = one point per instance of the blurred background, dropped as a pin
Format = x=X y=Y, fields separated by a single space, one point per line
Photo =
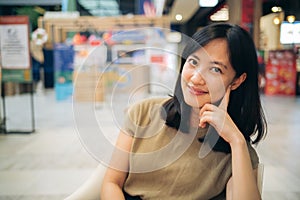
x=65 y=62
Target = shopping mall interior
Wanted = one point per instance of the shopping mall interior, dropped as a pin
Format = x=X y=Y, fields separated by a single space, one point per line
x=69 y=68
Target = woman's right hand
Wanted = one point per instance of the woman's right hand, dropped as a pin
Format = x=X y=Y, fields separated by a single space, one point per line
x=218 y=117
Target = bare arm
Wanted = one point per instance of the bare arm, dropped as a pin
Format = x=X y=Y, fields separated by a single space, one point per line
x=115 y=176
x=242 y=184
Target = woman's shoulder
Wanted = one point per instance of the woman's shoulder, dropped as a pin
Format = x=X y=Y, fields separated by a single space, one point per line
x=141 y=113
x=148 y=103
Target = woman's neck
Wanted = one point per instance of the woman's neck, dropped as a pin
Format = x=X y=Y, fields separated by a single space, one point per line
x=194 y=117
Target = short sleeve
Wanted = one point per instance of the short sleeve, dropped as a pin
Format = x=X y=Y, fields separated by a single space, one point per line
x=142 y=119
x=253 y=156
x=131 y=117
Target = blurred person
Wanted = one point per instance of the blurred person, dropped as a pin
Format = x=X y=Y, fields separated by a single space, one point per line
x=37 y=59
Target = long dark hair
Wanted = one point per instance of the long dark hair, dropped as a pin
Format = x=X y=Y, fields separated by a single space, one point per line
x=244 y=106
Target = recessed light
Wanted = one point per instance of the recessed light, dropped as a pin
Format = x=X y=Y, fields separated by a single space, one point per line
x=208 y=3
x=276 y=20
x=291 y=18
x=276 y=9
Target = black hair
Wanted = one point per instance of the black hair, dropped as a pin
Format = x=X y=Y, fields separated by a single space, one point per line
x=244 y=105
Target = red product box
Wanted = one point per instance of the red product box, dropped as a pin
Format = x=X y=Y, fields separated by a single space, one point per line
x=281 y=73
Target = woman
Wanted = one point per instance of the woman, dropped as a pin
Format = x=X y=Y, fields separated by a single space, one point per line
x=217 y=87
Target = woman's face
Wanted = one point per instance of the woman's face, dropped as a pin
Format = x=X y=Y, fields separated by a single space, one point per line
x=206 y=74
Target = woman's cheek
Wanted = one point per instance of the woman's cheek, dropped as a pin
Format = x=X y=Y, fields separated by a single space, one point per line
x=216 y=90
x=185 y=75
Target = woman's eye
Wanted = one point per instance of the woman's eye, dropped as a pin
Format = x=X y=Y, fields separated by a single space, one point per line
x=193 y=62
x=216 y=69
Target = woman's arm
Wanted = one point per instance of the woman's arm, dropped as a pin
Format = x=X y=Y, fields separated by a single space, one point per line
x=116 y=173
x=242 y=184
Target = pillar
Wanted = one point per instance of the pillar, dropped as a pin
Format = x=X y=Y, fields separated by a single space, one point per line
x=256 y=22
x=246 y=13
x=235 y=8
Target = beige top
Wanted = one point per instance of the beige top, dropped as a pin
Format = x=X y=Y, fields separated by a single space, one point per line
x=164 y=163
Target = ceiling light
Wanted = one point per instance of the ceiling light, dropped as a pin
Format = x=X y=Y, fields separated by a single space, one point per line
x=291 y=18
x=276 y=20
x=276 y=9
x=220 y=15
x=208 y=3
x=178 y=17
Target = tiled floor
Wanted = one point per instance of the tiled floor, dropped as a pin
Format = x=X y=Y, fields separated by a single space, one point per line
x=53 y=161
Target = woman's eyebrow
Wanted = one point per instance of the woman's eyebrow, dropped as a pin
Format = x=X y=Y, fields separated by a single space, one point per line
x=219 y=63
x=195 y=56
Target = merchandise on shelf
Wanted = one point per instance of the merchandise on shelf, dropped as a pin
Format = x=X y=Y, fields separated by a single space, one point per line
x=63 y=70
x=89 y=65
x=281 y=73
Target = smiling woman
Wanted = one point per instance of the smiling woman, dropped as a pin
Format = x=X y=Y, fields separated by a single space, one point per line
x=217 y=86
x=207 y=73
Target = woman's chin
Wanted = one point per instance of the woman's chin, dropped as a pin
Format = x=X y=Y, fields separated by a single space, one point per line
x=195 y=104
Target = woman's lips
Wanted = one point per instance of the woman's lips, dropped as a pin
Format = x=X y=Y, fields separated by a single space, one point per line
x=196 y=91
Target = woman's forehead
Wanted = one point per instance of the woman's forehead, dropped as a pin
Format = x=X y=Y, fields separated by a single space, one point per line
x=217 y=49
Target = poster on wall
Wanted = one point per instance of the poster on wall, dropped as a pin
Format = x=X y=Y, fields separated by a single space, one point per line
x=297 y=32
x=290 y=33
x=281 y=73
x=286 y=33
x=14 y=48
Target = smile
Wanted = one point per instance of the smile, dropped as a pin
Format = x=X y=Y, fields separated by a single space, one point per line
x=196 y=91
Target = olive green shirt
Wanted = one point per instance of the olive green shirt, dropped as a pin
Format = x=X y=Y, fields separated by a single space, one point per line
x=164 y=163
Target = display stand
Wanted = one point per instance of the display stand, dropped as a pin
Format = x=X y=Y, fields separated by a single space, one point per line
x=4 y=128
x=57 y=28
x=90 y=70
x=15 y=61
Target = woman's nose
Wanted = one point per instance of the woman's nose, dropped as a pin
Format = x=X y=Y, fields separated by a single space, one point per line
x=198 y=78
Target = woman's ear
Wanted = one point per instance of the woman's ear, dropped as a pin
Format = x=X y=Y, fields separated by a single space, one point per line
x=238 y=81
